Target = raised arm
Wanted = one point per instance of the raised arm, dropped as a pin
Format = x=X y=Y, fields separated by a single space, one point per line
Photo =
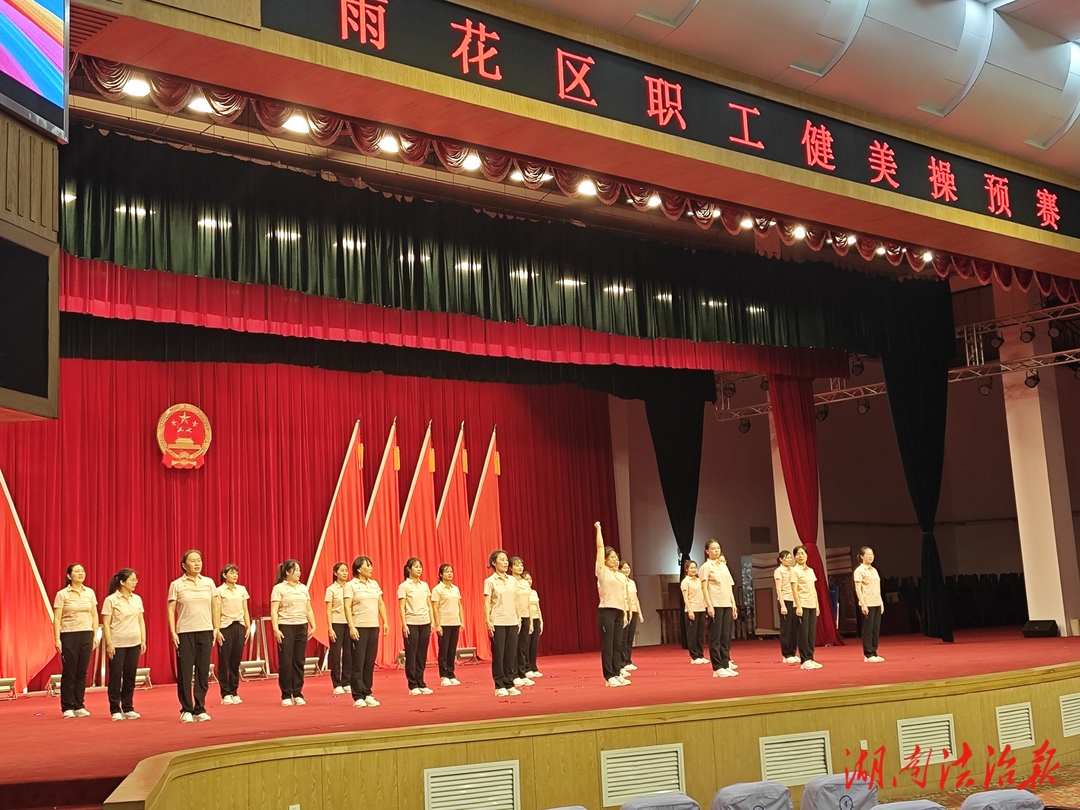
x=599 y=548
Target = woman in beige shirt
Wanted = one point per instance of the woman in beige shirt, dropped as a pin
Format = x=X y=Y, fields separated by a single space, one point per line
x=525 y=629
x=449 y=616
x=123 y=627
x=232 y=618
x=536 y=618
x=804 y=594
x=694 y=605
x=414 y=610
x=293 y=620
x=75 y=625
x=502 y=620
x=613 y=614
x=789 y=624
x=868 y=591
x=636 y=618
x=338 y=630
x=365 y=612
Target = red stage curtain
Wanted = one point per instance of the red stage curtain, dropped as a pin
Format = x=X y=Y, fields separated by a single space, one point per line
x=111 y=291
x=90 y=487
x=792 y=402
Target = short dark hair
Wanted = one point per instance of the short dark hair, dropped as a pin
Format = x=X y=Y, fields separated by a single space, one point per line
x=409 y=564
x=227 y=569
x=493 y=556
x=363 y=558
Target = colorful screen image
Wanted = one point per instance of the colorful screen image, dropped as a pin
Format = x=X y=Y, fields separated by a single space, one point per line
x=33 y=59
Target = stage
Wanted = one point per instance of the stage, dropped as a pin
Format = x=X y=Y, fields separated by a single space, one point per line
x=98 y=753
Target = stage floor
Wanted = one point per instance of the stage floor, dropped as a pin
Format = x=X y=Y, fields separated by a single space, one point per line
x=98 y=753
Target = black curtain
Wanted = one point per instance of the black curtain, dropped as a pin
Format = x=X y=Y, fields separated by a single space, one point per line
x=916 y=368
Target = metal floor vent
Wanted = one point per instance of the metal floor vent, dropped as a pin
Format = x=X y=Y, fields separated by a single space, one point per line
x=1070 y=715
x=795 y=759
x=934 y=736
x=486 y=786
x=1016 y=728
x=652 y=770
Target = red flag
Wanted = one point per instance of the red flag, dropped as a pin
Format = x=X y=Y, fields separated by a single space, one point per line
x=452 y=523
x=485 y=523
x=383 y=534
x=26 y=627
x=343 y=533
x=418 y=534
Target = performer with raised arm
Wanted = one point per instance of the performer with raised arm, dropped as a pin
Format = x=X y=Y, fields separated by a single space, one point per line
x=614 y=612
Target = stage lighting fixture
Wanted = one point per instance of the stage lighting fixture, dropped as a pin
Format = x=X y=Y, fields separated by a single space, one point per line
x=864 y=405
x=1031 y=380
x=996 y=340
x=744 y=425
x=764 y=383
x=1027 y=334
x=1054 y=330
x=986 y=386
x=728 y=389
x=857 y=366
x=821 y=413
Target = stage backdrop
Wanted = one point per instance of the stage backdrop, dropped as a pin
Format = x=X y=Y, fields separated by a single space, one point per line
x=91 y=487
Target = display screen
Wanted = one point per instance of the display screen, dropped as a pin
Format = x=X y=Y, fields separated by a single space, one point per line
x=33 y=60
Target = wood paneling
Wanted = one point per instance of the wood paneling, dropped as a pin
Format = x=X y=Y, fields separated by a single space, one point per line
x=28 y=166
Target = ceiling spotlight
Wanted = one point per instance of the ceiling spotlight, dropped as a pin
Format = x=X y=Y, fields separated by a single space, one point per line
x=880 y=250
x=857 y=366
x=799 y=232
x=746 y=223
x=821 y=413
x=986 y=386
x=200 y=104
x=744 y=425
x=654 y=200
x=1054 y=330
x=472 y=162
x=297 y=123
x=764 y=383
x=927 y=256
x=728 y=389
x=996 y=340
x=139 y=88
x=1027 y=334
x=863 y=406
x=389 y=143
x=1031 y=380
x=587 y=188
x=852 y=239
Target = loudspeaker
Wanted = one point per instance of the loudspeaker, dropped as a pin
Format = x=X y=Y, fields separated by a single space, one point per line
x=1045 y=628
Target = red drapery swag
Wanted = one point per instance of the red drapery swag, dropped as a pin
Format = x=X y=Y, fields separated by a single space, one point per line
x=485 y=522
x=383 y=531
x=792 y=402
x=26 y=628
x=112 y=291
x=343 y=534
x=419 y=537
x=90 y=487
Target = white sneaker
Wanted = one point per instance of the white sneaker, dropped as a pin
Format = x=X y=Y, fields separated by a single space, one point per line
x=445 y=682
x=877 y=659
x=732 y=665
x=348 y=689
x=133 y=715
x=82 y=713
x=339 y=690
x=454 y=682
x=624 y=673
x=513 y=690
x=236 y=700
x=425 y=690
x=69 y=714
x=630 y=667
x=299 y=701
x=359 y=704
x=202 y=717
x=537 y=675
x=186 y=717
x=699 y=661
x=226 y=700
x=808 y=664
x=791 y=659
x=415 y=692
x=624 y=680
x=614 y=682
x=502 y=693
x=118 y=716
x=526 y=682
x=519 y=681
x=287 y=702
x=724 y=672
x=868 y=659
x=817 y=665
x=370 y=701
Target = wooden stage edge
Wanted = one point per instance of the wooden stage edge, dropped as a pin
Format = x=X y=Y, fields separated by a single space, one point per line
x=559 y=755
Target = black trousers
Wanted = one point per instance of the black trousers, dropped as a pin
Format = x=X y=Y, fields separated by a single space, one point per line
x=720 y=638
x=695 y=635
x=365 y=650
x=807 y=633
x=521 y=666
x=228 y=658
x=534 y=647
x=610 y=622
x=75 y=651
x=193 y=663
x=416 y=646
x=341 y=656
x=871 y=629
x=789 y=631
x=448 y=650
x=628 y=640
x=122 y=667
x=504 y=655
x=292 y=649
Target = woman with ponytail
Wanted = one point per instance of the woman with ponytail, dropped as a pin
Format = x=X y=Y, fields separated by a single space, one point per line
x=124 y=628
x=293 y=620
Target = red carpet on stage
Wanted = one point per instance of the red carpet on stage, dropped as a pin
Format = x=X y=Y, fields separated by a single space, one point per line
x=98 y=753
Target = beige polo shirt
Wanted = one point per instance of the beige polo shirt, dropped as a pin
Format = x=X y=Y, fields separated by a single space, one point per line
x=335 y=597
x=364 y=602
x=194 y=611
x=693 y=598
x=534 y=604
x=612 y=587
x=632 y=597
x=293 y=602
x=802 y=582
x=231 y=601
x=500 y=590
x=871 y=586
x=77 y=609
x=447 y=600
x=417 y=596
x=718 y=580
x=522 y=596
x=123 y=612
x=782 y=577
